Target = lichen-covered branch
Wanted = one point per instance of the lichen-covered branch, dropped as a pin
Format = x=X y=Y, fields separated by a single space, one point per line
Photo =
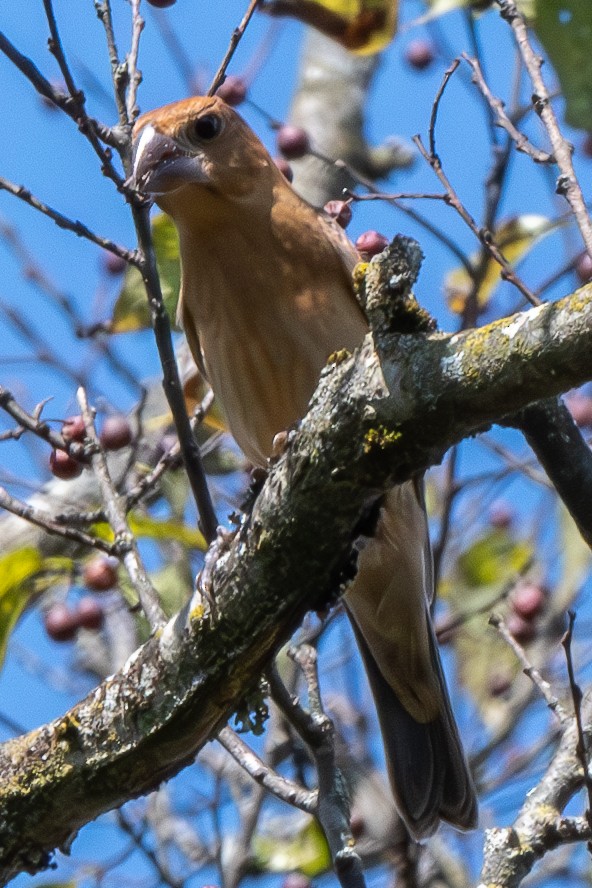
x=378 y=416
x=511 y=852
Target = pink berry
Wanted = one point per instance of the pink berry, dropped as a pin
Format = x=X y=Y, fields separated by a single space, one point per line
x=580 y=407
x=60 y=622
x=100 y=573
x=522 y=630
x=499 y=684
x=89 y=613
x=284 y=168
x=340 y=210
x=73 y=429
x=233 y=90
x=584 y=268
x=292 y=141
x=114 y=264
x=64 y=466
x=501 y=514
x=528 y=600
x=370 y=243
x=419 y=54
x=116 y=433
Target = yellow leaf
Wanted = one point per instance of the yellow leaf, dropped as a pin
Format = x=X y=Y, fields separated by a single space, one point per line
x=362 y=26
x=132 y=311
x=158 y=529
x=16 y=569
x=515 y=237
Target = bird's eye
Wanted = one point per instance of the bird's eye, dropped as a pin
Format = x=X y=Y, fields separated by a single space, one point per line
x=207 y=127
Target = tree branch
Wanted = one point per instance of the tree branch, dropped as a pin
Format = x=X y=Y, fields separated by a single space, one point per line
x=377 y=417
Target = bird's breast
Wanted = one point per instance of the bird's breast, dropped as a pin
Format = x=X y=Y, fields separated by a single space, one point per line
x=267 y=320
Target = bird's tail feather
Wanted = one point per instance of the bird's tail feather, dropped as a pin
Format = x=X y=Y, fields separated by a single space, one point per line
x=427 y=768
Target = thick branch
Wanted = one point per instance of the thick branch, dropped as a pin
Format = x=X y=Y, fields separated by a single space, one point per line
x=371 y=422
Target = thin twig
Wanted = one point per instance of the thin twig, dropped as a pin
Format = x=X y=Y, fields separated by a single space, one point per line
x=576 y=695
x=521 y=141
x=46 y=522
x=529 y=670
x=567 y=182
x=133 y=72
x=115 y=512
x=285 y=790
x=33 y=423
x=436 y=105
x=484 y=236
x=93 y=130
x=138 y=837
x=234 y=42
x=62 y=221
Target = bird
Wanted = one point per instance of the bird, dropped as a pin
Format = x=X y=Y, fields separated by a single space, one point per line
x=266 y=297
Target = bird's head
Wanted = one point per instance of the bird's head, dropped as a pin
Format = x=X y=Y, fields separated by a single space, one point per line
x=199 y=142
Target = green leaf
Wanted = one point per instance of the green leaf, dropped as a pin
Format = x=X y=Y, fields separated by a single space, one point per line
x=16 y=569
x=564 y=27
x=132 y=311
x=304 y=849
x=164 y=529
x=493 y=559
x=155 y=529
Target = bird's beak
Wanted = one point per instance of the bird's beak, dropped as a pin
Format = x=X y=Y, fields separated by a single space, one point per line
x=160 y=165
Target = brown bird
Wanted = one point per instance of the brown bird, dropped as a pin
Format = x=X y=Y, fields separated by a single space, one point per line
x=266 y=297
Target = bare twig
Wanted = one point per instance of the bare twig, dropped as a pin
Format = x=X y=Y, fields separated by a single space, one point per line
x=484 y=236
x=285 y=790
x=62 y=221
x=234 y=42
x=567 y=182
x=45 y=521
x=503 y=120
x=530 y=670
x=115 y=513
x=33 y=423
x=577 y=696
x=133 y=73
x=73 y=106
x=316 y=729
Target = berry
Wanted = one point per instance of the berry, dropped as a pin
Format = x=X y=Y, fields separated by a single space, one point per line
x=89 y=613
x=161 y=4
x=584 y=268
x=64 y=466
x=522 y=630
x=114 y=264
x=446 y=630
x=60 y=622
x=370 y=243
x=419 y=54
x=499 y=684
x=501 y=514
x=233 y=90
x=73 y=429
x=340 y=210
x=580 y=407
x=356 y=825
x=116 y=433
x=528 y=600
x=296 y=880
x=284 y=168
x=292 y=141
x=587 y=146
x=100 y=573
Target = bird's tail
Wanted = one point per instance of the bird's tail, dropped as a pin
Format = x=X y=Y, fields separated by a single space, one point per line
x=427 y=768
